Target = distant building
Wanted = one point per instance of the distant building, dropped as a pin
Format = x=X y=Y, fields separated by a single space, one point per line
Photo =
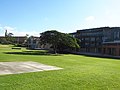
x=19 y=39
x=33 y=42
x=16 y=39
x=2 y=39
x=104 y=40
x=73 y=34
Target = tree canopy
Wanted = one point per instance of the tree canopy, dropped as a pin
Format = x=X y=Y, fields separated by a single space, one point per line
x=60 y=42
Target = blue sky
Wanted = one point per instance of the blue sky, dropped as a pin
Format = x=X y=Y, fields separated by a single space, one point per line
x=32 y=17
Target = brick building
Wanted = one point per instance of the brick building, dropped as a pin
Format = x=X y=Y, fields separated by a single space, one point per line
x=19 y=39
x=16 y=39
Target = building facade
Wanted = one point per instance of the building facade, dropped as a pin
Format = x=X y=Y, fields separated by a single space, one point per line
x=104 y=40
x=33 y=42
x=15 y=39
x=19 y=39
x=111 y=41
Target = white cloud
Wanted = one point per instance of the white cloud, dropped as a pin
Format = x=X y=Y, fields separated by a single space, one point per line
x=23 y=33
x=90 y=18
x=17 y=32
x=9 y=29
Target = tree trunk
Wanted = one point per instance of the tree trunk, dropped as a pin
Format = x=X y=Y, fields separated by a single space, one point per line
x=54 y=48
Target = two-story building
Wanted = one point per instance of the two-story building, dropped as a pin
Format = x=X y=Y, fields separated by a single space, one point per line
x=111 y=41
x=104 y=40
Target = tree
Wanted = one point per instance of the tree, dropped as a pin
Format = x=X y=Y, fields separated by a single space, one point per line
x=10 y=34
x=26 y=40
x=51 y=37
x=9 y=38
x=5 y=33
x=59 y=41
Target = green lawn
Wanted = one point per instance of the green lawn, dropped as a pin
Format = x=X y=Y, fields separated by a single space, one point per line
x=79 y=73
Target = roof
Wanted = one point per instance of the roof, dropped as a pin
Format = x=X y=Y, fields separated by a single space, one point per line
x=99 y=28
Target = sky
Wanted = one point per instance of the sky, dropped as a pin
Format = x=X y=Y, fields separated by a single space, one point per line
x=32 y=17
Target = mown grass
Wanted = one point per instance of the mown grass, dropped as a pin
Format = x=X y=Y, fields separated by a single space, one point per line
x=79 y=73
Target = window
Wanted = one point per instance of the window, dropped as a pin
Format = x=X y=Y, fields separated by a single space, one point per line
x=92 y=39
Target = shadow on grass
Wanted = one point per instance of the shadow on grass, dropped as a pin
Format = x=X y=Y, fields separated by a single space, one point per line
x=33 y=53
x=100 y=56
